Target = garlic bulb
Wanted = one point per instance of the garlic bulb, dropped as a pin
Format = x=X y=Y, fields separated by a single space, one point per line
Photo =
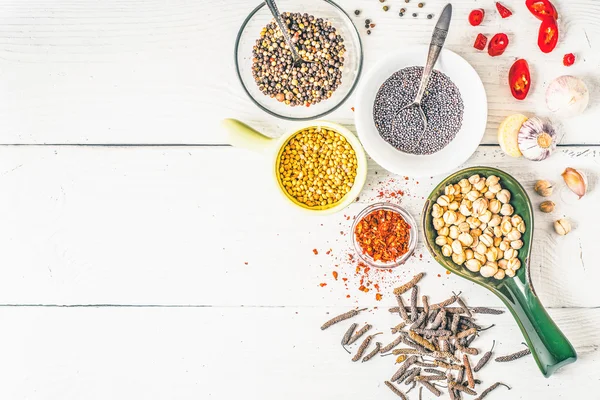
x=567 y=96
x=537 y=139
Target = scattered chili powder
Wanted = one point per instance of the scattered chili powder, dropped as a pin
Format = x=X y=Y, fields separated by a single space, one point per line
x=335 y=275
x=322 y=284
x=448 y=272
x=383 y=235
x=315 y=251
x=378 y=297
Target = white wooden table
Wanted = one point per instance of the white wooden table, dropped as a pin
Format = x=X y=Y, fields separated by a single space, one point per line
x=141 y=257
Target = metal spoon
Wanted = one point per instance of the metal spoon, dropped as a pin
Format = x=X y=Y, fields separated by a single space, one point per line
x=435 y=47
x=284 y=30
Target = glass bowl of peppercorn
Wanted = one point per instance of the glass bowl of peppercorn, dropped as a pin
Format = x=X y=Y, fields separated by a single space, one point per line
x=327 y=73
x=384 y=235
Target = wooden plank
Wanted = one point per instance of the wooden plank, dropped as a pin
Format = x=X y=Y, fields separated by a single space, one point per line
x=216 y=352
x=177 y=225
x=162 y=72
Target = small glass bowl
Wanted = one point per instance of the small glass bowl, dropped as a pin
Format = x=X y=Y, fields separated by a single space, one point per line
x=353 y=58
x=412 y=241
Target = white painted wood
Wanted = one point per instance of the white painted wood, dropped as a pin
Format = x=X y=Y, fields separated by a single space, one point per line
x=162 y=72
x=176 y=225
x=251 y=353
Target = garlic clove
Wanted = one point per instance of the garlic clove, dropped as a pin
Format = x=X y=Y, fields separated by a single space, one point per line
x=576 y=181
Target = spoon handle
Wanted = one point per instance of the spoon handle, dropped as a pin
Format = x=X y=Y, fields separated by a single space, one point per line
x=435 y=47
x=283 y=28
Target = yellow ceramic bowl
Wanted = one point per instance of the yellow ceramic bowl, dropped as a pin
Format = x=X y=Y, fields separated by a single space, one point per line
x=243 y=136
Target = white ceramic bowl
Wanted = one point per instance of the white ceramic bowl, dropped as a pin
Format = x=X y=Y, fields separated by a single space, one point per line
x=467 y=139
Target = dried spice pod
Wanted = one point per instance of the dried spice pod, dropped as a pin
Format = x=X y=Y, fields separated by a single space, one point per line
x=461 y=388
x=420 y=321
x=443 y=303
x=372 y=353
x=466 y=333
x=443 y=355
x=359 y=333
x=468 y=371
x=348 y=334
x=413 y=303
x=363 y=346
x=454 y=325
x=425 y=304
x=486 y=310
x=398 y=327
x=432 y=332
x=406 y=351
x=408 y=342
x=462 y=304
x=445 y=365
x=493 y=387
x=425 y=365
x=428 y=378
x=409 y=285
x=341 y=317
x=486 y=357
x=439 y=319
x=421 y=393
x=514 y=356
x=434 y=371
x=396 y=391
x=467 y=350
x=391 y=345
x=432 y=315
x=412 y=374
x=402 y=308
x=403 y=368
x=431 y=388
x=421 y=340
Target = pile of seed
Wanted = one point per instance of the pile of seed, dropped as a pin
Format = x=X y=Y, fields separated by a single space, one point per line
x=318 y=42
x=317 y=167
x=437 y=340
x=442 y=105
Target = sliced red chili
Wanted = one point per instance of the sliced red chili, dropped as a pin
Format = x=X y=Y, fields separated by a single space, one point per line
x=541 y=9
x=548 y=35
x=480 y=42
x=569 y=59
x=519 y=79
x=498 y=44
x=504 y=12
x=476 y=16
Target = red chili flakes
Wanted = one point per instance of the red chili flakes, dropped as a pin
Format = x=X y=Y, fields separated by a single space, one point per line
x=345 y=279
x=328 y=252
x=352 y=108
x=378 y=297
x=383 y=235
x=376 y=286
x=347 y=296
x=315 y=251
x=335 y=275
x=362 y=288
x=246 y=263
x=448 y=272
x=322 y=284
x=439 y=276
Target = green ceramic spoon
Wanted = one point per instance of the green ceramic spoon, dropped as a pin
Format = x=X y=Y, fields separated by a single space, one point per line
x=549 y=346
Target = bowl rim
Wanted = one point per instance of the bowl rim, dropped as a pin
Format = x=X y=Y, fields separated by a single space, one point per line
x=310 y=117
x=412 y=240
x=361 y=168
x=363 y=115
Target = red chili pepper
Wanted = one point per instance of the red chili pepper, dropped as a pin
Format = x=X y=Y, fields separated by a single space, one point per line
x=548 y=35
x=569 y=59
x=498 y=44
x=519 y=79
x=541 y=9
x=504 y=12
x=476 y=16
x=480 y=41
